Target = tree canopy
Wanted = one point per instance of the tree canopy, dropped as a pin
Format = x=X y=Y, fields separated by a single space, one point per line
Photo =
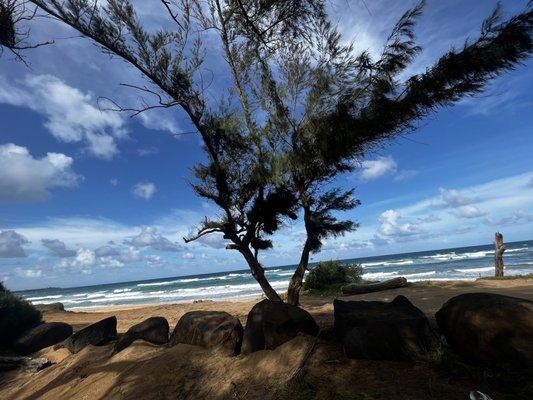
x=304 y=105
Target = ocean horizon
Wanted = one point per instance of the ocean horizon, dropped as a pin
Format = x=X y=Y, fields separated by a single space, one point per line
x=460 y=263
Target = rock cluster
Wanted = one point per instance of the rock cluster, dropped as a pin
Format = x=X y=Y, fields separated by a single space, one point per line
x=484 y=328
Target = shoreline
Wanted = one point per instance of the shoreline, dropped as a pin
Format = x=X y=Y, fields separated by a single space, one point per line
x=488 y=282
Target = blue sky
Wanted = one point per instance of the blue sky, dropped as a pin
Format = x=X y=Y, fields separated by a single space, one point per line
x=89 y=196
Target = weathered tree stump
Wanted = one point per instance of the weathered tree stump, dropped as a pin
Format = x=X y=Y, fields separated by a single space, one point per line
x=499 y=248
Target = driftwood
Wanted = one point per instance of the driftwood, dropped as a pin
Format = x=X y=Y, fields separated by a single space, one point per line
x=499 y=248
x=374 y=287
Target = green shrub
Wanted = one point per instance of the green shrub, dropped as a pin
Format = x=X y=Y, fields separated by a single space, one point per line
x=332 y=274
x=16 y=316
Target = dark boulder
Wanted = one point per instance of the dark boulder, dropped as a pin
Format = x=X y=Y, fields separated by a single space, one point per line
x=42 y=336
x=154 y=330
x=489 y=328
x=272 y=323
x=211 y=329
x=383 y=331
x=96 y=334
x=51 y=307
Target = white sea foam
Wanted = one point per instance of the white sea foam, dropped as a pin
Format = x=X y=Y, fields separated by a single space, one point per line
x=122 y=290
x=388 y=263
x=272 y=271
x=416 y=274
x=452 y=256
x=515 y=250
x=379 y=275
x=44 y=297
x=474 y=270
x=165 y=283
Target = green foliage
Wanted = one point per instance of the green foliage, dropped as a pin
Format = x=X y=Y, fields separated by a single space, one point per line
x=16 y=316
x=332 y=274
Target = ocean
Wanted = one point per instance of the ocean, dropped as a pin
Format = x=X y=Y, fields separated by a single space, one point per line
x=464 y=263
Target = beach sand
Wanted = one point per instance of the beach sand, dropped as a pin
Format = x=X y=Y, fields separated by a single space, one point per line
x=145 y=371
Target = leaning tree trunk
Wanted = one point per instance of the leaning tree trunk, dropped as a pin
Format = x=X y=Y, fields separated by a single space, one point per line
x=293 y=292
x=259 y=274
x=499 y=248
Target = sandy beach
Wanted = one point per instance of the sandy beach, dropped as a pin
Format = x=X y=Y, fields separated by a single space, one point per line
x=188 y=372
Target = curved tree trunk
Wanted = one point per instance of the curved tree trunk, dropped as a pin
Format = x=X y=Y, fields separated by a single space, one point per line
x=259 y=274
x=293 y=292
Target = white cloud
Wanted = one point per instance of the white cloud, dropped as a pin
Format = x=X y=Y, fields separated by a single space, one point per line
x=71 y=115
x=132 y=254
x=113 y=182
x=374 y=169
x=110 y=262
x=214 y=240
x=389 y=225
x=405 y=174
x=25 y=178
x=188 y=256
x=428 y=219
x=452 y=198
x=58 y=247
x=468 y=211
x=150 y=237
x=384 y=166
x=155 y=261
x=91 y=233
x=11 y=244
x=85 y=258
x=106 y=251
x=147 y=151
x=29 y=273
x=144 y=190
x=518 y=217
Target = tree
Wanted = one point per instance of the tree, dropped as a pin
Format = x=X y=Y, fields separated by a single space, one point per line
x=309 y=108
x=12 y=37
x=327 y=108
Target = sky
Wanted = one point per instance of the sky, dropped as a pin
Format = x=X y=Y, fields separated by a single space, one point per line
x=90 y=196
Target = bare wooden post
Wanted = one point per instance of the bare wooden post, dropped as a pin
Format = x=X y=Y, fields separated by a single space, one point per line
x=499 y=248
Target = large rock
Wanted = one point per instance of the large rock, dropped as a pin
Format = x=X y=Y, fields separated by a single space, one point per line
x=96 y=334
x=272 y=323
x=489 y=328
x=211 y=329
x=42 y=336
x=154 y=330
x=382 y=331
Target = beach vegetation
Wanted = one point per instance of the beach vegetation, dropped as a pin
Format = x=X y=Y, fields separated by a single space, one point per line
x=16 y=316
x=332 y=275
x=304 y=105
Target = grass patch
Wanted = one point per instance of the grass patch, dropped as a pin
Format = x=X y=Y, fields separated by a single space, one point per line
x=450 y=283
x=16 y=316
x=505 y=278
